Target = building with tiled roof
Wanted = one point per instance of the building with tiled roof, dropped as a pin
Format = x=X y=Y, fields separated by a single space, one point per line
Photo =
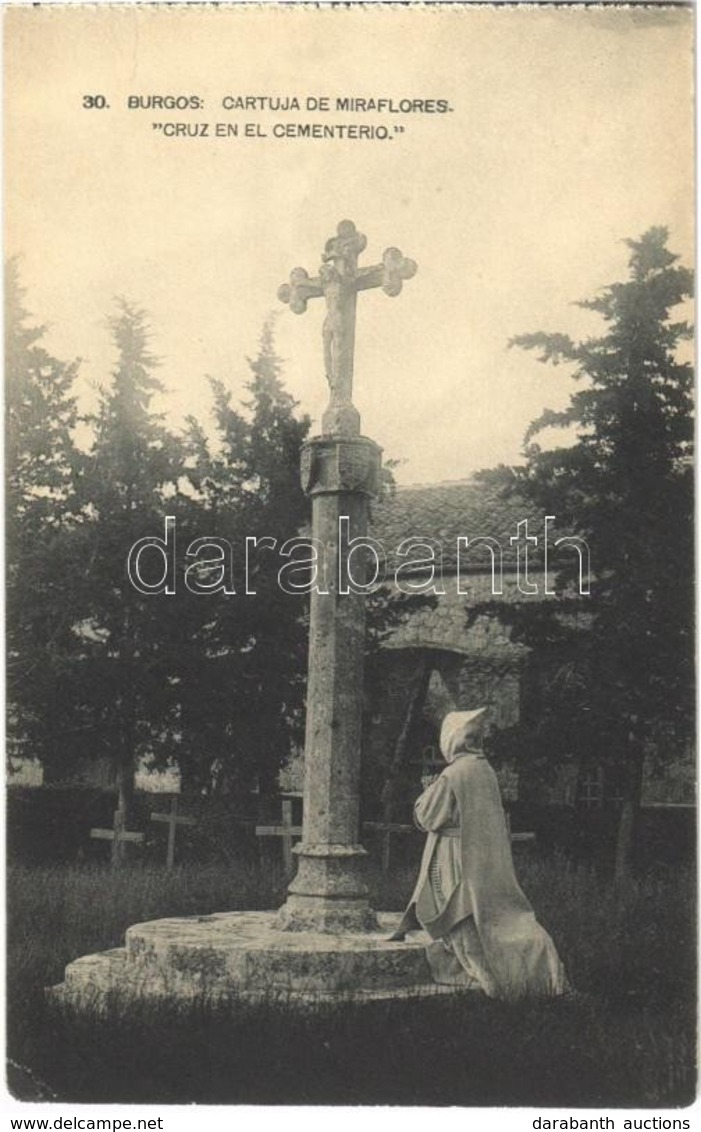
x=442 y=659
x=472 y=533
x=436 y=661
x=451 y=510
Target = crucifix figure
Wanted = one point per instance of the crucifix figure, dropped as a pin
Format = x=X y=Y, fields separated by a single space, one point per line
x=339 y=281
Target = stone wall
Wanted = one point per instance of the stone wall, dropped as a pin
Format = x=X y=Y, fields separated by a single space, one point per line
x=445 y=626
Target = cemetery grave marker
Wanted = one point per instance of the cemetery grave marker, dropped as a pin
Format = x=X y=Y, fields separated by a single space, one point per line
x=386 y=829
x=287 y=831
x=173 y=821
x=118 y=835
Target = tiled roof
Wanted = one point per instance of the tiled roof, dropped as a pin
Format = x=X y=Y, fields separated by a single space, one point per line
x=451 y=510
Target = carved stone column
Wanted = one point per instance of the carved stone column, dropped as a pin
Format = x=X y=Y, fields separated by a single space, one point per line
x=328 y=893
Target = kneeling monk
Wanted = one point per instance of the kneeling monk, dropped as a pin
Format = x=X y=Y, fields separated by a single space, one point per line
x=467 y=897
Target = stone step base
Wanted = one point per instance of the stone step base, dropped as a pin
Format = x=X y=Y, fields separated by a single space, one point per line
x=242 y=955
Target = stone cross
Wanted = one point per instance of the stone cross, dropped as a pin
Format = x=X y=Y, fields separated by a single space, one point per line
x=173 y=821
x=341 y=472
x=287 y=831
x=117 y=835
x=339 y=281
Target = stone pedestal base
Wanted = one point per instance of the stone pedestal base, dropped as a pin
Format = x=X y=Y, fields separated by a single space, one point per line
x=318 y=914
x=328 y=894
x=235 y=955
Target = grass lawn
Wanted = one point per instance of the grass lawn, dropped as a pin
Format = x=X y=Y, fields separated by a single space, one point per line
x=627 y=1037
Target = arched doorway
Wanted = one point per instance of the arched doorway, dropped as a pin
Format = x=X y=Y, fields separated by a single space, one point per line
x=410 y=692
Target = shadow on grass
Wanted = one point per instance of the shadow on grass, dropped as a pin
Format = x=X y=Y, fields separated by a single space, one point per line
x=627 y=1037
x=463 y=1051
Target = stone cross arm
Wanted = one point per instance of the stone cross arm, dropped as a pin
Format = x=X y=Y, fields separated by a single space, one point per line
x=389 y=275
x=299 y=290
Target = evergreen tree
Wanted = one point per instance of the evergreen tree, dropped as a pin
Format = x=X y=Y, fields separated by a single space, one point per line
x=244 y=712
x=626 y=486
x=40 y=514
x=125 y=686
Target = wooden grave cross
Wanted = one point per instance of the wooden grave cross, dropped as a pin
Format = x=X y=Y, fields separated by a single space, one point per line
x=287 y=831
x=430 y=764
x=517 y=837
x=386 y=829
x=117 y=835
x=173 y=821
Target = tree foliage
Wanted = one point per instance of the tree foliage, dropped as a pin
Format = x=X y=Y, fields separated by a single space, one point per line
x=243 y=699
x=623 y=676
x=123 y=686
x=211 y=676
x=40 y=513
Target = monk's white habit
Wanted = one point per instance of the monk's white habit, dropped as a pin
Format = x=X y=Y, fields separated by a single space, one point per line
x=467 y=896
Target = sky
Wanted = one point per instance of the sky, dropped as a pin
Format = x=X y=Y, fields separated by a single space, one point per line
x=570 y=129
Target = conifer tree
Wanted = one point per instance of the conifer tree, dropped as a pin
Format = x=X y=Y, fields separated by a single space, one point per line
x=241 y=718
x=41 y=511
x=626 y=486
x=125 y=684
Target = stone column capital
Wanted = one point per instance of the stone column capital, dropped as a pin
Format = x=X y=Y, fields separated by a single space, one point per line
x=334 y=464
